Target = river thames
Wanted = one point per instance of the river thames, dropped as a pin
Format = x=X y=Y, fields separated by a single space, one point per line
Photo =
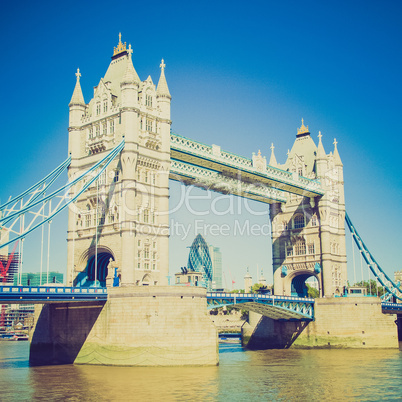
x=277 y=375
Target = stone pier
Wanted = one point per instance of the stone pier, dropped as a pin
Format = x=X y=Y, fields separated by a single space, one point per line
x=399 y=324
x=349 y=322
x=137 y=326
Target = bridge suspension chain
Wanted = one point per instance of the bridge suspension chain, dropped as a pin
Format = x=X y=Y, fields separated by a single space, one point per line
x=392 y=288
x=11 y=213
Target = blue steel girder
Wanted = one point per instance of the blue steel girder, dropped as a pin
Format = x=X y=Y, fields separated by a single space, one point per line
x=233 y=166
x=391 y=308
x=275 y=307
x=206 y=178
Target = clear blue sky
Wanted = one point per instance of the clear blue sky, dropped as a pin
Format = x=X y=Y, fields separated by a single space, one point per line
x=241 y=74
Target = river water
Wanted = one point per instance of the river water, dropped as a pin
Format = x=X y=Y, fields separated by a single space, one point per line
x=277 y=375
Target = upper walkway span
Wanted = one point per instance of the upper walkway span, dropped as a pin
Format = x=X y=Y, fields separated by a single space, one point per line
x=208 y=166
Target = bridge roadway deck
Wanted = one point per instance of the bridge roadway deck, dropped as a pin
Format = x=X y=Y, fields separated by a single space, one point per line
x=49 y=294
x=276 y=307
x=286 y=308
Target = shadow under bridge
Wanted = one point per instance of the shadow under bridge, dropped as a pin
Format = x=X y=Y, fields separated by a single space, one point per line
x=281 y=308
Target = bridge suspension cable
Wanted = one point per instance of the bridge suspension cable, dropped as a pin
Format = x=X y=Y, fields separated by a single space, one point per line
x=391 y=287
x=36 y=195
x=34 y=191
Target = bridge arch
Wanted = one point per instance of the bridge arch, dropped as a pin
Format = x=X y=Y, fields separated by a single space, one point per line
x=103 y=256
x=146 y=280
x=297 y=282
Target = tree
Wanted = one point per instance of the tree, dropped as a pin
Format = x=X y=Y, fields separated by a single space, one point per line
x=312 y=292
x=371 y=287
x=256 y=287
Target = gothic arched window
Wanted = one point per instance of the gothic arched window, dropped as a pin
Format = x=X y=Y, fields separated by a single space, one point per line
x=300 y=247
x=299 y=222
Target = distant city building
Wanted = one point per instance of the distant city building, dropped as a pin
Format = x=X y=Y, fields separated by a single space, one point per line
x=398 y=278
x=4 y=236
x=206 y=260
x=216 y=258
x=248 y=282
x=262 y=280
x=8 y=268
x=34 y=279
x=14 y=314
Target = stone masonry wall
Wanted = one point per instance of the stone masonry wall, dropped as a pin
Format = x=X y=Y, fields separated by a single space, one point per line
x=144 y=326
x=339 y=323
x=350 y=322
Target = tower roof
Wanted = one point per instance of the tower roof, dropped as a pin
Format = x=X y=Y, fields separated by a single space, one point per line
x=162 y=89
x=118 y=67
x=78 y=97
x=303 y=146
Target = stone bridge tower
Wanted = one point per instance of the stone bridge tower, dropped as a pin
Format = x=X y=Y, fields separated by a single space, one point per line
x=119 y=226
x=308 y=235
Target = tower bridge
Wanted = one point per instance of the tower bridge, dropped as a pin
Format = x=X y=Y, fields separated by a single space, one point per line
x=122 y=153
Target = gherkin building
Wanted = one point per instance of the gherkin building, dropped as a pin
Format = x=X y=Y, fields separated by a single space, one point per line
x=199 y=259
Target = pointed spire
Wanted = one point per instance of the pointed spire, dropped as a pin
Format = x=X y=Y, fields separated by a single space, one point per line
x=163 y=89
x=78 y=97
x=337 y=158
x=272 y=160
x=320 y=149
x=130 y=74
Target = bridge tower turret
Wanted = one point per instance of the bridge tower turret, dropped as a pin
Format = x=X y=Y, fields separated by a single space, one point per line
x=129 y=121
x=77 y=110
x=308 y=235
x=163 y=99
x=331 y=210
x=123 y=218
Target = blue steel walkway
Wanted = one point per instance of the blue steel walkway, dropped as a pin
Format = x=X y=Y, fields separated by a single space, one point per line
x=49 y=294
x=286 y=308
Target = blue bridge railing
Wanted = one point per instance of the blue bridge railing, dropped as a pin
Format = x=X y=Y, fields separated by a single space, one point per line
x=48 y=294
